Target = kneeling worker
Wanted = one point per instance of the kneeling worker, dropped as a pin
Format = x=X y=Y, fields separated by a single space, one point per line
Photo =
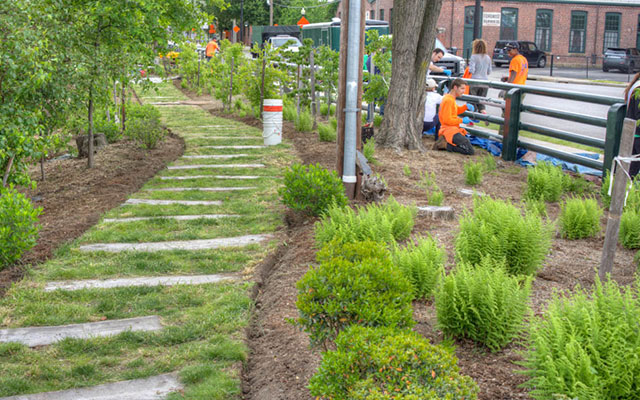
x=450 y=131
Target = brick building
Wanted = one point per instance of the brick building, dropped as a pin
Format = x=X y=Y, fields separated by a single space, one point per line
x=570 y=28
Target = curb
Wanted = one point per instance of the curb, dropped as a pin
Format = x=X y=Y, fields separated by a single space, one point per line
x=573 y=80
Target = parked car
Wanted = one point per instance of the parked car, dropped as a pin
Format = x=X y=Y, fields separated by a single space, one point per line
x=280 y=40
x=450 y=61
x=626 y=60
x=535 y=56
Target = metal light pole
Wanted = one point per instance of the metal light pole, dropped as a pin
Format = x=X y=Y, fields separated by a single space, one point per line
x=270 y=12
x=477 y=20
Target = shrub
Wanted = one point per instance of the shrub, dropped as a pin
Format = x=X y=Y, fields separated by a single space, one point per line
x=289 y=112
x=304 y=122
x=312 y=189
x=545 y=181
x=585 y=346
x=435 y=197
x=536 y=207
x=580 y=218
x=143 y=125
x=353 y=252
x=483 y=303
x=324 y=109
x=332 y=109
x=369 y=150
x=326 y=133
x=422 y=263
x=383 y=363
x=18 y=229
x=333 y=122
x=630 y=229
x=109 y=128
x=385 y=223
x=489 y=163
x=339 y=293
x=377 y=120
x=472 y=173
x=498 y=229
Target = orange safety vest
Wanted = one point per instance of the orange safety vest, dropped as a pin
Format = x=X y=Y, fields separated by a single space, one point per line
x=466 y=75
x=211 y=49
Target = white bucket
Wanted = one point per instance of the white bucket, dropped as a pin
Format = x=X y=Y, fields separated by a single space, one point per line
x=272 y=122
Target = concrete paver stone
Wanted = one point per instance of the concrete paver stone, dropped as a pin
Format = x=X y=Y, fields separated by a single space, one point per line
x=203 y=189
x=202 y=244
x=176 y=217
x=169 y=202
x=141 y=281
x=44 y=335
x=153 y=388
x=172 y=167
x=180 y=178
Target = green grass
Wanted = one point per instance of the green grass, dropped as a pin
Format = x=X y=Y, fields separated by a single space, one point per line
x=537 y=136
x=204 y=325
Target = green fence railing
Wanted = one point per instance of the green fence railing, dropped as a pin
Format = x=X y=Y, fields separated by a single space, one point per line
x=512 y=125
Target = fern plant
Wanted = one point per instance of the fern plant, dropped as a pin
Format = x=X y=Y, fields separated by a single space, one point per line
x=580 y=218
x=435 y=196
x=586 y=346
x=472 y=173
x=489 y=163
x=406 y=170
x=630 y=229
x=387 y=223
x=545 y=181
x=483 y=303
x=369 y=151
x=326 y=133
x=498 y=229
x=304 y=121
x=422 y=263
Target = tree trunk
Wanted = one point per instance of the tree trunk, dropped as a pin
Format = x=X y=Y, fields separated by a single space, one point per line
x=42 y=175
x=312 y=69
x=90 y=162
x=230 y=84
x=414 y=28
x=123 y=97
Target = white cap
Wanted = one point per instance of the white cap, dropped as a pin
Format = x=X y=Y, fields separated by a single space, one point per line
x=431 y=83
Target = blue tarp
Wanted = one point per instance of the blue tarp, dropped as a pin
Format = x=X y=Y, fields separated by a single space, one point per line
x=495 y=148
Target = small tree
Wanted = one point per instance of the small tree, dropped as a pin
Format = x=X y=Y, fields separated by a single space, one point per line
x=328 y=62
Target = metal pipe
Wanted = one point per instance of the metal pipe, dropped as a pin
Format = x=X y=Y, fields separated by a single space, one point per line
x=563 y=135
x=565 y=115
x=477 y=20
x=351 y=95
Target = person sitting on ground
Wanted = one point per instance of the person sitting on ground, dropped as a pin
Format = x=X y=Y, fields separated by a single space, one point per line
x=434 y=98
x=436 y=56
x=450 y=131
x=211 y=49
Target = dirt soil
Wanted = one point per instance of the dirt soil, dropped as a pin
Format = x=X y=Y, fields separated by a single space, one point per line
x=73 y=197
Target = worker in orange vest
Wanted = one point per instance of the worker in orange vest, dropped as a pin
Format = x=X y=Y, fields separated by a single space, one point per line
x=450 y=130
x=518 y=73
x=212 y=48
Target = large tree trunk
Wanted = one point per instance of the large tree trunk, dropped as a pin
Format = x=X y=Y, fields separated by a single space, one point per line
x=414 y=29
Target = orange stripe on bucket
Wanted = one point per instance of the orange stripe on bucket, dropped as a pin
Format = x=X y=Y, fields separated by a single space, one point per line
x=272 y=108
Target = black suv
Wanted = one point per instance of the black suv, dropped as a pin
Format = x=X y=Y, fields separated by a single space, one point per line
x=535 y=56
x=626 y=60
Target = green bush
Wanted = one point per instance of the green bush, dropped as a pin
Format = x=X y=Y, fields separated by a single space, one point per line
x=304 y=122
x=545 y=181
x=312 y=189
x=18 y=229
x=377 y=120
x=333 y=122
x=369 y=151
x=536 y=207
x=385 y=223
x=580 y=218
x=499 y=230
x=586 y=345
x=143 y=125
x=332 y=110
x=630 y=229
x=353 y=252
x=289 y=112
x=109 y=128
x=324 y=109
x=339 y=293
x=384 y=363
x=472 y=173
x=483 y=303
x=326 y=133
x=422 y=263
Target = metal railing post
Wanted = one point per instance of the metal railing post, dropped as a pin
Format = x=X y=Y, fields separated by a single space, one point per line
x=513 y=100
x=615 y=119
x=551 y=68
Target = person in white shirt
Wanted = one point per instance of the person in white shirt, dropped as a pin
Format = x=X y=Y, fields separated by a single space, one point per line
x=430 y=107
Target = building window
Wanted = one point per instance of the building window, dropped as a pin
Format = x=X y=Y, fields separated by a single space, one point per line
x=391 y=20
x=638 y=34
x=372 y=14
x=578 y=33
x=509 y=24
x=382 y=15
x=544 y=24
x=611 y=31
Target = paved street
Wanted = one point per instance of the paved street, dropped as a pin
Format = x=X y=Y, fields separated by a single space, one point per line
x=561 y=104
x=582 y=73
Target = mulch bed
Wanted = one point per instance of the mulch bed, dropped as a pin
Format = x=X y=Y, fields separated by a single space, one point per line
x=73 y=197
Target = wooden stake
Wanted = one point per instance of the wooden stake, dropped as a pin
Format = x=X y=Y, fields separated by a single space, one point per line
x=617 y=201
x=313 y=91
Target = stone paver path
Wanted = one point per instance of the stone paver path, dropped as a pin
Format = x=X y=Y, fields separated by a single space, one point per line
x=158 y=287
